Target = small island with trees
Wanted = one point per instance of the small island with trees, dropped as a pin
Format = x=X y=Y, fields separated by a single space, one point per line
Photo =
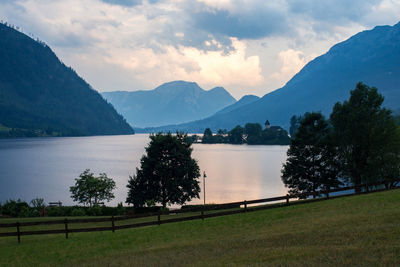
x=251 y=134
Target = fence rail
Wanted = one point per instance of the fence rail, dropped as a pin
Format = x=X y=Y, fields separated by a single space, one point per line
x=235 y=207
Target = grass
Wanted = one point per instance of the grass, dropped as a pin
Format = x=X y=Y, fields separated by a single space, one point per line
x=359 y=230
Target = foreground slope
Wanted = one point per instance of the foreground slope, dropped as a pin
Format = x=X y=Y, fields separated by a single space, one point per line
x=170 y=103
x=371 y=56
x=360 y=230
x=39 y=93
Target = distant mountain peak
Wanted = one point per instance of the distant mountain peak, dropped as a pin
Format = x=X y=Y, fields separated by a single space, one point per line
x=371 y=56
x=170 y=103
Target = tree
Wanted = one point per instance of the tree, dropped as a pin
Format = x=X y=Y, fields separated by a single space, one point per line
x=167 y=174
x=294 y=125
x=236 y=135
x=38 y=204
x=312 y=162
x=253 y=132
x=208 y=137
x=367 y=136
x=91 y=190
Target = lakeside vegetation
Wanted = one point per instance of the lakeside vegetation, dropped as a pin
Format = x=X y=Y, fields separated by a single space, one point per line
x=251 y=134
x=359 y=144
x=358 y=230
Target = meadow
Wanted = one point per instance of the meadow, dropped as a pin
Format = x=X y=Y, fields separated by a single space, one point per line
x=356 y=230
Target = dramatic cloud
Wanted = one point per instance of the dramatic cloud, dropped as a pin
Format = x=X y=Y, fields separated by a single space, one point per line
x=247 y=46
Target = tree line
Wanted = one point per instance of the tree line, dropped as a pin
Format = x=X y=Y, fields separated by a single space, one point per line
x=251 y=134
x=359 y=144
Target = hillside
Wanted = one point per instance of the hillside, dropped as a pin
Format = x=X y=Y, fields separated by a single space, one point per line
x=245 y=100
x=371 y=56
x=39 y=95
x=170 y=103
x=360 y=230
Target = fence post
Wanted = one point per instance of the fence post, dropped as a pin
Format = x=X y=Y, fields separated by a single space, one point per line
x=202 y=213
x=66 y=228
x=287 y=199
x=327 y=193
x=113 y=224
x=18 y=233
x=245 y=206
x=159 y=217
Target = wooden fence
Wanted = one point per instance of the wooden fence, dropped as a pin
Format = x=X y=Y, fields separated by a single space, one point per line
x=227 y=209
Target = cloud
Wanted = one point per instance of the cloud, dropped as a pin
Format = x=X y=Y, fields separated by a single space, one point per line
x=291 y=61
x=248 y=46
x=208 y=68
x=253 y=22
x=127 y=3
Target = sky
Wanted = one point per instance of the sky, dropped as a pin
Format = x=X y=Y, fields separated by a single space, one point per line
x=246 y=46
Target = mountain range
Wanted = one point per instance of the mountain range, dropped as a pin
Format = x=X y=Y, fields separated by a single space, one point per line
x=39 y=95
x=372 y=57
x=170 y=103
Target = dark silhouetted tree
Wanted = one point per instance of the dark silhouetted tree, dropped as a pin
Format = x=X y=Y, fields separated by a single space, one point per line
x=253 y=132
x=312 y=162
x=168 y=174
x=236 y=135
x=294 y=125
x=367 y=136
x=207 y=137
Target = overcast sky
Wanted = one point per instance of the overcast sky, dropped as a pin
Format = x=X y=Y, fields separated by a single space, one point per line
x=248 y=47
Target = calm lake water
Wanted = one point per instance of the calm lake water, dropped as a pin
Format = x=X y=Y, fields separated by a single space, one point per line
x=47 y=167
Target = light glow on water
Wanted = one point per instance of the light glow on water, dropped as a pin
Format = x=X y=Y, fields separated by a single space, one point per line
x=47 y=167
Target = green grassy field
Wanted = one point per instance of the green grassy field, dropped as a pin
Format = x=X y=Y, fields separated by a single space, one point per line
x=359 y=230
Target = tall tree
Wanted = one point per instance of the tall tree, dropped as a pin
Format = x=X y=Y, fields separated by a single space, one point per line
x=208 y=137
x=253 y=132
x=367 y=136
x=312 y=162
x=294 y=125
x=236 y=135
x=168 y=174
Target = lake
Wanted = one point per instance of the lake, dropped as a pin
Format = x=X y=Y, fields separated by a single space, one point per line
x=47 y=167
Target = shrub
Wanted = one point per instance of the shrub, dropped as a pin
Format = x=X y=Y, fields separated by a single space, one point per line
x=95 y=211
x=34 y=213
x=121 y=210
x=78 y=212
x=59 y=211
x=14 y=208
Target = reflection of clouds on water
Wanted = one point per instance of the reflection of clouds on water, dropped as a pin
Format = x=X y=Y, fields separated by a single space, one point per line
x=47 y=167
x=239 y=172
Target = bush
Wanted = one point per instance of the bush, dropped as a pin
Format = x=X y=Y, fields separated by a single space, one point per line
x=34 y=213
x=14 y=208
x=78 y=212
x=95 y=211
x=59 y=211
x=121 y=210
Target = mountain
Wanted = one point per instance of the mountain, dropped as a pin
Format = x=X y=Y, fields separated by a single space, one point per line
x=247 y=99
x=39 y=94
x=170 y=103
x=371 y=56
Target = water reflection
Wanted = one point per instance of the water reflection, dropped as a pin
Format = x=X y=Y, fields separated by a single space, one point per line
x=47 y=167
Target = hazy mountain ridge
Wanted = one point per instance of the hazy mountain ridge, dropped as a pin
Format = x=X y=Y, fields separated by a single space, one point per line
x=39 y=93
x=170 y=103
x=370 y=56
x=245 y=100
